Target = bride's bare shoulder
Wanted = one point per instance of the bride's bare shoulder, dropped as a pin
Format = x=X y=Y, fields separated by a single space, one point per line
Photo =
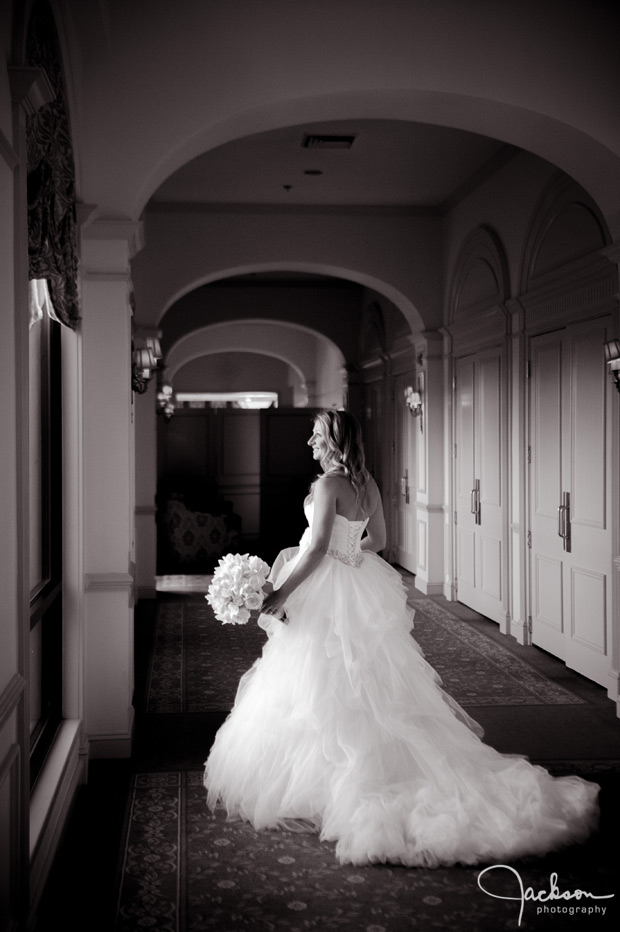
x=372 y=496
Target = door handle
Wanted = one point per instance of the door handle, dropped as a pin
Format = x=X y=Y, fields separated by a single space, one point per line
x=475 y=501
x=564 y=521
x=404 y=486
x=566 y=510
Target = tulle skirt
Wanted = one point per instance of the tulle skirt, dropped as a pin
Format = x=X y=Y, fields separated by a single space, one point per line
x=342 y=727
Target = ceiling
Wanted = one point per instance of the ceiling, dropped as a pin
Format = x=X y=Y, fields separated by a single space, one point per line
x=390 y=163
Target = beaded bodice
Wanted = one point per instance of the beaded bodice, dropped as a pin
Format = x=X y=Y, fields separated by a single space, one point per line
x=344 y=543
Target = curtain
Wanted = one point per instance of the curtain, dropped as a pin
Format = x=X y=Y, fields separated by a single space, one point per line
x=52 y=238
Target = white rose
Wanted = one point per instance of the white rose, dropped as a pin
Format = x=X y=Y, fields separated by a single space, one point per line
x=254 y=600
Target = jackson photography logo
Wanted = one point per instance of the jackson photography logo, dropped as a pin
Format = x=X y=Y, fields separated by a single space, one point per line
x=549 y=901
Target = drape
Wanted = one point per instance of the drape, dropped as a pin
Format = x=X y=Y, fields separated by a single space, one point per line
x=52 y=238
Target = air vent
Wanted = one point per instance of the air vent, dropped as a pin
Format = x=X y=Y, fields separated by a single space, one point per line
x=319 y=141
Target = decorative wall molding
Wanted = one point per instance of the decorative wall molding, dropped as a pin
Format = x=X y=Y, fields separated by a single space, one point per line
x=477 y=314
x=51 y=802
x=485 y=329
x=372 y=331
x=381 y=365
x=480 y=279
x=127 y=231
x=561 y=195
x=573 y=295
x=103 y=582
x=7 y=152
x=11 y=805
x=612 y=253
x=10 y=697
x=106 y=276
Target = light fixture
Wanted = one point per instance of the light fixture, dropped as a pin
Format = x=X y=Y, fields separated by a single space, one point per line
x=413 y=400
x=165 y=401
x=146 y=352
x=612 y=358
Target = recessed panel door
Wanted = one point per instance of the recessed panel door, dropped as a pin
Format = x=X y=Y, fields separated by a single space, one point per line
x=479 y=495
x=570 y=487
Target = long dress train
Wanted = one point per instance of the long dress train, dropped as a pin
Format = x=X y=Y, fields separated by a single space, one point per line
x=342 y=727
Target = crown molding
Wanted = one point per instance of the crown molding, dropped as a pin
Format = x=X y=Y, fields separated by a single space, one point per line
x=129 y=231
x=575 y=294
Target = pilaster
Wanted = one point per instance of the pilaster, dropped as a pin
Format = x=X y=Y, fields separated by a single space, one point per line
x=612 y=254
x=108 y=484
x=518 y=553
x=430 y=507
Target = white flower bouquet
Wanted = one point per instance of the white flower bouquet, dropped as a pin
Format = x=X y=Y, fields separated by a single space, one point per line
x=237 y=588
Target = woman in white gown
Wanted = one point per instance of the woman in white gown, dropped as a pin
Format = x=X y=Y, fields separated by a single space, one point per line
x=342 y=727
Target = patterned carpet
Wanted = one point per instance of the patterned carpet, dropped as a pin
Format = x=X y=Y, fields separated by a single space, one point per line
x=186 y=870
x=197 y=662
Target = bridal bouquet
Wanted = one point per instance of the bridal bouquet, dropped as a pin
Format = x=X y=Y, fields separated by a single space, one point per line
x=237 y=588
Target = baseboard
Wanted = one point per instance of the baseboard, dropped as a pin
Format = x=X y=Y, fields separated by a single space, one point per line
x=427 y=587
x=520 y=631
x=110 y=746
x=613 y=687
x=51 y=803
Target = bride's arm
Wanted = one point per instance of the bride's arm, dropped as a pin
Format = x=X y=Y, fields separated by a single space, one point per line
x=375 y=536
x=324 y=498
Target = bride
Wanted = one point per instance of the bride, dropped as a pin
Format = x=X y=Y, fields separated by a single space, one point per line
x=343 y=728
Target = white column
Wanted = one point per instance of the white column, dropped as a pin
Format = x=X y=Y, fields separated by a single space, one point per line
x=108 y=485
x=430 y=466
x=146 y=491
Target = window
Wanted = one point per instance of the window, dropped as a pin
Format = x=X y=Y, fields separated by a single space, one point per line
x=45 y=535
x=228 y=399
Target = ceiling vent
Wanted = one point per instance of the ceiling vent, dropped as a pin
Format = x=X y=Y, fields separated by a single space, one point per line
x=320 y=141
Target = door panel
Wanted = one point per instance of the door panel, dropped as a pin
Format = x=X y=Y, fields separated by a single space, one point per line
x=546 y=472
x=479 y=483
x=588 y=603
x=569 y=411
x=490 y=567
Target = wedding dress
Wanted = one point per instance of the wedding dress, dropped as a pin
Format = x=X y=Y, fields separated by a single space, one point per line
x=342 y=727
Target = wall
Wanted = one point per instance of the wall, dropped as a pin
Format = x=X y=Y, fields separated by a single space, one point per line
x=237 y=372
x=539 y=76
x=396 y=253
x=14 y=749
x=510 y=216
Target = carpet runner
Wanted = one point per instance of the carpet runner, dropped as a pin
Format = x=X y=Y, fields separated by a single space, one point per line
x=187 y=870
x=197 y=662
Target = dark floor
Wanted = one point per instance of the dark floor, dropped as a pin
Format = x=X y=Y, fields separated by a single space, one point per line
x=81 y=890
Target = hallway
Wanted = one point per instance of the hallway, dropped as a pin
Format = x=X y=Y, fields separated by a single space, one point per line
x=409 y=211
x=576 y=734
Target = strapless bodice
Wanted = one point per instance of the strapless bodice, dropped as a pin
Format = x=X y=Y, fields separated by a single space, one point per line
x=345 y=540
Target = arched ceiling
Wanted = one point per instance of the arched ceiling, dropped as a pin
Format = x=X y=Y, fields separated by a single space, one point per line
x=299 y=347
x=161 y=84
x=381 y=163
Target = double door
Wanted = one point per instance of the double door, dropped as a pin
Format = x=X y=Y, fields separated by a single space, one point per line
x=569 y=497
x=479 y=494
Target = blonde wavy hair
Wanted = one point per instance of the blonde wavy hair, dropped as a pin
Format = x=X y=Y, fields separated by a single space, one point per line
x=345 y=449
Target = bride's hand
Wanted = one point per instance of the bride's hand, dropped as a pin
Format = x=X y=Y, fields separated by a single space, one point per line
x=274 y=605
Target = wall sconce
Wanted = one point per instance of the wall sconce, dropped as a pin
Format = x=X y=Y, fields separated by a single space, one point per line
x=166 y=404
x=413 y=400
x=144 y=363
x=612 y=358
